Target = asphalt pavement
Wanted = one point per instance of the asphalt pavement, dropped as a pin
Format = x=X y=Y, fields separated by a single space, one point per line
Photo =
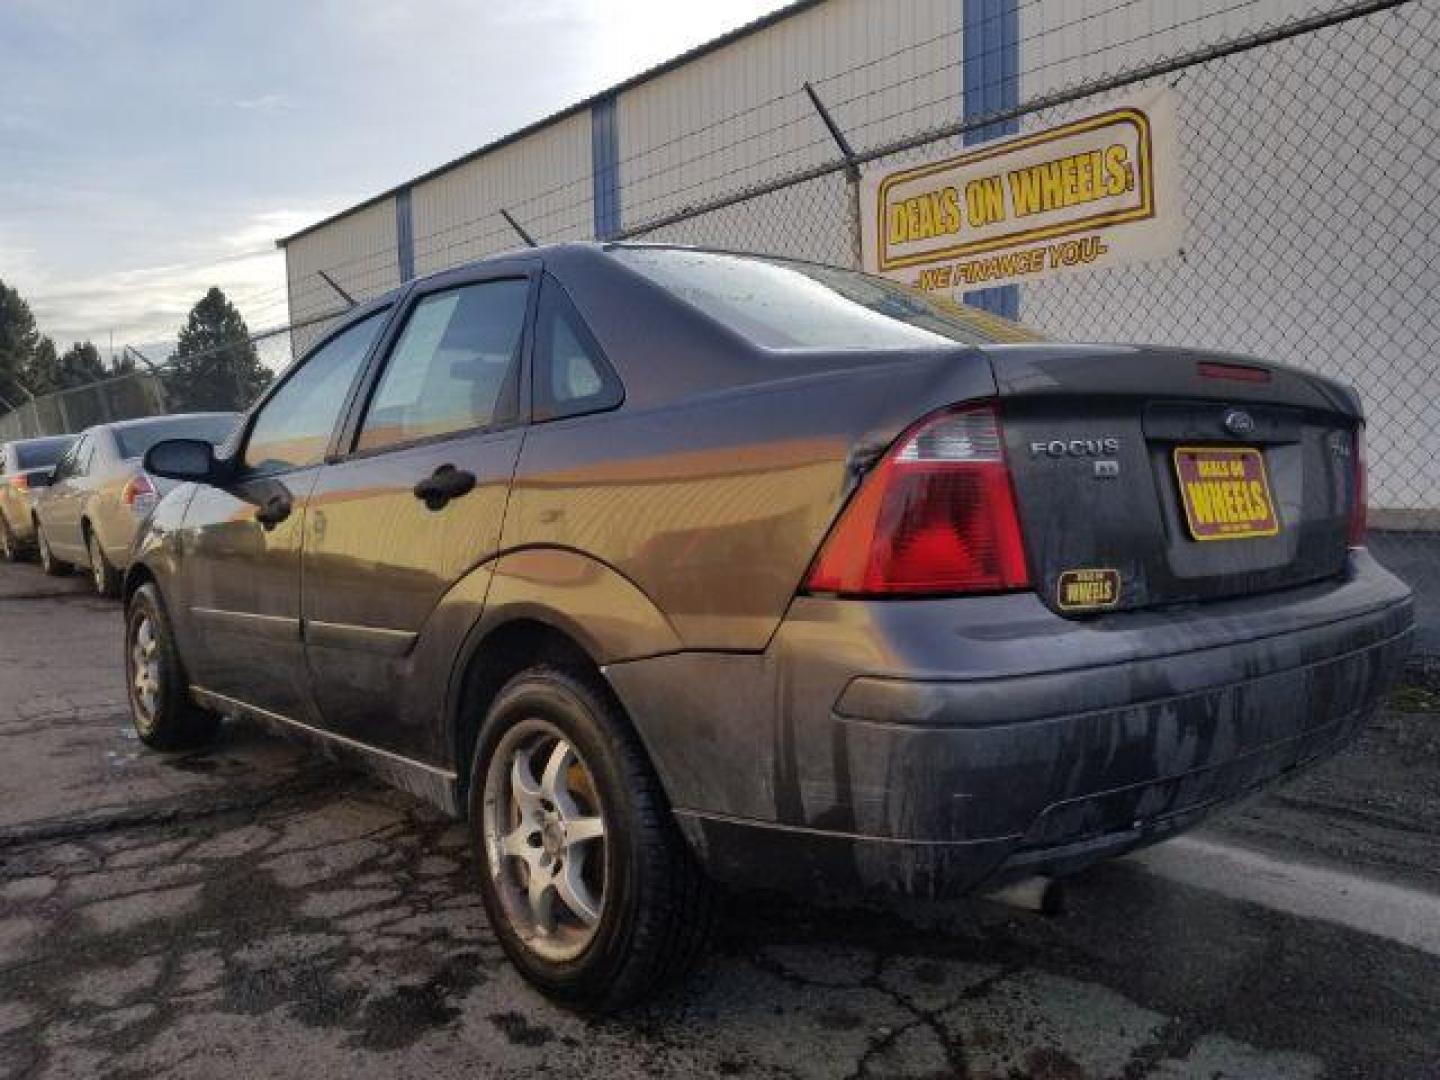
x=254 y=910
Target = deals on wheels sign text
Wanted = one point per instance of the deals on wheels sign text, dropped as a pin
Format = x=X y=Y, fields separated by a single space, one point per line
x=1094 y=192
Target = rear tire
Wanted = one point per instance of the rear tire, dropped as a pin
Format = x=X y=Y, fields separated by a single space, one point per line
x=651 y=907
x=158 y=690
x=48 y=562
x=105 y=577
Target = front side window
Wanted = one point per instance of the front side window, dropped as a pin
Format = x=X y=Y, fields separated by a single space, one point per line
x=294 y=426
x=454 y=368
x=780 y=304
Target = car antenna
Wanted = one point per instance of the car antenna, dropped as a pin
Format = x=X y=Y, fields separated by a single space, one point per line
x=349 y=300
x=529 y=240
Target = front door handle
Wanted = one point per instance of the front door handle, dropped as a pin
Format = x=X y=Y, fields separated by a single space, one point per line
x=275 y=510
x=444 y=484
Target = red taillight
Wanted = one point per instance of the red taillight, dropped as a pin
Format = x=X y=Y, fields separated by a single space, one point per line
x=20 y=482
x=936 y=516
x=1361 y=493
x=138 y=489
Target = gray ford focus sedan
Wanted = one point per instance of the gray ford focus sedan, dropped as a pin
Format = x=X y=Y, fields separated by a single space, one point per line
x=671 y=568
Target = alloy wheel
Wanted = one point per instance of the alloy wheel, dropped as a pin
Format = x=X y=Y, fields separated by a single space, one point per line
x=47 y=560
x=144 y=672
x=97 y=563
x=544 y=831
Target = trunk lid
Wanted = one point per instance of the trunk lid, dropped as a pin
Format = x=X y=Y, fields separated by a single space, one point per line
x=1148 y=476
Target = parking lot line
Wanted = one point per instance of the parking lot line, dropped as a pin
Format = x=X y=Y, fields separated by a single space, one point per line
x=1403 y=915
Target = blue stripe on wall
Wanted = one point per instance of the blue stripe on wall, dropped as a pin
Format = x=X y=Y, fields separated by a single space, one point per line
x=605 y=167
x=404 y=236
x=991 y=70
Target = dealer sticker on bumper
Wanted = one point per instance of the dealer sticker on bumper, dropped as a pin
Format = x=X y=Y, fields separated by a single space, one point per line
x=1088 y=590
x=1225 y=492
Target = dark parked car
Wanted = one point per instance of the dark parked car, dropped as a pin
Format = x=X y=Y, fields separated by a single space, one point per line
x=668 y=567
x=25 y=465
x=88 y=510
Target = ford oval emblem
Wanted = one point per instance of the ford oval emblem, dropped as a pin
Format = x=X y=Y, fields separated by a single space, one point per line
x=1239 y=423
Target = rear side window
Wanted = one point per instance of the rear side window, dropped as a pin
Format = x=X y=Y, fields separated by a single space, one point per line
x=38 y=454
x=454 y=367
x=293 y=428
x=571 y=373
x=779 y=304
x=133 y=442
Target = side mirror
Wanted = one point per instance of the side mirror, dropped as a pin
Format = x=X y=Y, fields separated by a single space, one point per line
x=184 y=459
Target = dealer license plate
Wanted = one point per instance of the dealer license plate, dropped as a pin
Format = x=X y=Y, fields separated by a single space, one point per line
x=1225 y=492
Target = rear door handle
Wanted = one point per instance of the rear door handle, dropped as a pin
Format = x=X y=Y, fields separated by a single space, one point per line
x=444 y=484
x=276 y=509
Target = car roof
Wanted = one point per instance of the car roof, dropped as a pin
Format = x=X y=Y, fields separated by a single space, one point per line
x=150 y=421
x=542 y=252
x=37 y=440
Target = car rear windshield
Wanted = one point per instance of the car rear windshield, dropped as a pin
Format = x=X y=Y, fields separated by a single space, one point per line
x=133 y=442
x=780 y=304
x=38 y=453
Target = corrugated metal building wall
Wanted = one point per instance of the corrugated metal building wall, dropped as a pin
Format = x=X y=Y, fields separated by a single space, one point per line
x=731 y=114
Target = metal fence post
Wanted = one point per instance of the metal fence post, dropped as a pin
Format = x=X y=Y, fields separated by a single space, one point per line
x=852 y=174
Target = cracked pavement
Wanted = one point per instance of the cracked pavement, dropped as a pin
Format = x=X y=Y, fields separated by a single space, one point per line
x=254 y=909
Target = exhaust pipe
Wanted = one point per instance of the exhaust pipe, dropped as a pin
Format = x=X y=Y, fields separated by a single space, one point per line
x=1040 y=894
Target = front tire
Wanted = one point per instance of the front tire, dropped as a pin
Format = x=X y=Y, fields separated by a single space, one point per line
x=48 y=562
x=104 y=575
x=10 y=550
x=160 y=707
x=586 y=880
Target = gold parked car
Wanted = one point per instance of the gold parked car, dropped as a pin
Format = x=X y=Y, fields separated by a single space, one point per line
x=22 y=463
x=88 y=509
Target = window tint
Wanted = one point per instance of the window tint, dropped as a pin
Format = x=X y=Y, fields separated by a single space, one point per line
x=571 y=373
x=294 y=427
x=41 y=452
x=133 y=442
x=792 y=305
x=453 y=367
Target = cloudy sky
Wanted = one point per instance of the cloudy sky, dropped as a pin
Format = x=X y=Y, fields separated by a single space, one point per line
x=151 y=148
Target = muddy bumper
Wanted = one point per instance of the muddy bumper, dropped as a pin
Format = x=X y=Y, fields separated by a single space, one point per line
x=1011 y=741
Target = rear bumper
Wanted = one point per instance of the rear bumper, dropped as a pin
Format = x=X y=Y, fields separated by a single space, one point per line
x=941 y=746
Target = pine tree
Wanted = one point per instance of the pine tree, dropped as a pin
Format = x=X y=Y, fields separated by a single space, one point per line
x=214 y=365
x=79 y=365
x=19 y=339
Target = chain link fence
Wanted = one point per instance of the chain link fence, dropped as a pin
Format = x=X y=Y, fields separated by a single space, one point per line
x=1309 y=167
x=206 y=380
x=96 y=403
